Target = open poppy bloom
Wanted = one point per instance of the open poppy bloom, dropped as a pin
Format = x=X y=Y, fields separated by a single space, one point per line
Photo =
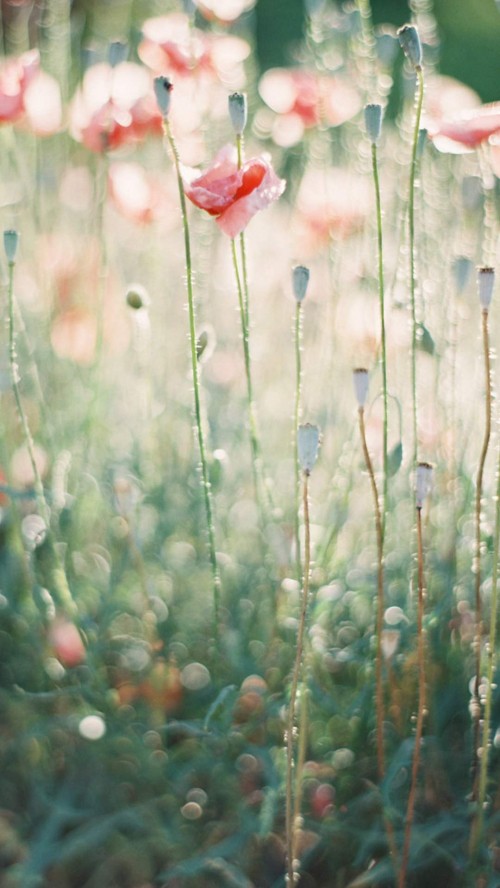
x=114 y=107
x=29 y=96
x=233 y=195
x=15 y=76
x=466 y=130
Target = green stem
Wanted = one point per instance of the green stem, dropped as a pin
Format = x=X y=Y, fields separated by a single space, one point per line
x=411 y=224
x=252 y=419
x=478 y=604
x=381 y=291
x=291 y=820
x=296 y=420
x=207 y=492
x=421 y=707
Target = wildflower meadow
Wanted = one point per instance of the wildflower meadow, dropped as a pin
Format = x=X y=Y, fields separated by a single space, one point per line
x=249 y=452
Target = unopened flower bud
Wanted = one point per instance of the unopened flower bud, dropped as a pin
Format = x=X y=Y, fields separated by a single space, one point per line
x=137 y=297
x=189 y=7
x=485 y=284
x=462 y=268
x=409 y=41
x=117 y=53
x=163 y=88
x=373 y=122
x=237 y=104
x=308 y=446
x=423 y=138
x=10 y=244
x=300 y=281
x=423 y=483
x=360 y=377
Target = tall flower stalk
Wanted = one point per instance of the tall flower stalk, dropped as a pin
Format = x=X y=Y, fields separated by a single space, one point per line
x=410 y=43
x=361 y=389
x=423 y=483
x=308 y=445
x=300 y=281
x=486 y=279
x=163 y=88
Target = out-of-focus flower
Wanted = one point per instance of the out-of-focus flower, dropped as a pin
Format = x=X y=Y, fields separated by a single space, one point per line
x=137 y=195
x=29 y=96
x=66 y=642
x=233 y=195
x=303 y=99
x=114 y=106
x=465 y=130
x=74 y=335
x=21 y=467
x=330 y=204
x=224 y=11
x=172 y=46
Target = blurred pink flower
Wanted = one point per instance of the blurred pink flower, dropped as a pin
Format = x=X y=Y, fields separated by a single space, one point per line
x=172 y=46
x=304 y=99
x=113 y=107
x=29 y=96
x=224 y=11
x=66 y=642
x=465 y=130
x=331 y=203
x=233 y=195
x=140 y=196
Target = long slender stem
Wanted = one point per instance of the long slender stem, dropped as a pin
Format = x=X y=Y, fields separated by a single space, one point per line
x=296 y=420
x=477 y=553
x=421 y=706
x=411 y=226
x=207 y=493
x=380 y=599
x=381 y=289
x=290 y=818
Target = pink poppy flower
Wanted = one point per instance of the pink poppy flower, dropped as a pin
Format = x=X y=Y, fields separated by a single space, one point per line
x=140 y=197
x=233 y=195
x=224 y=11
x=66 y=642
x=172 y=46
x=303 y=99
x=466 y=130
x=114 y=107
x=15 y=76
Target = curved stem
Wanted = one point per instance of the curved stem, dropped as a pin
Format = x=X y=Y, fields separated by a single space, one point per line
x=207 y=492
x=380 y=255
x=290 y=818
x=411 y=225
x=477 y=558
x=380 y=599
x=421 y=707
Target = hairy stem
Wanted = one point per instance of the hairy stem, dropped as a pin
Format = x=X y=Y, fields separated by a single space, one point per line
x=380 y=258
x=296 y=419
x=411 y=224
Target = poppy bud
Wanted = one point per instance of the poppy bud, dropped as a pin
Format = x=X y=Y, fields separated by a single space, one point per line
x=360 y=376
x=300 y=281
x=423 y=483
x=485 y=283
x=163 y=88
x=373 y=122
x=10 y=243
x=308 y=446
x=237 y=104
x=409 y=41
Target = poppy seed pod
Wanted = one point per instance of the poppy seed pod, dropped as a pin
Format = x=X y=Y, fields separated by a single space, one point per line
x=360 y=377
x=237 y=104
x=10 y=243
x=373 y=122
x=423 y=483
x=300 y=281
x=485 y=284
x=163 y=89
x=409 y=41
x=308 y=446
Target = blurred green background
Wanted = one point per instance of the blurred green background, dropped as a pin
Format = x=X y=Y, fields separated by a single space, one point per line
x=469 y=32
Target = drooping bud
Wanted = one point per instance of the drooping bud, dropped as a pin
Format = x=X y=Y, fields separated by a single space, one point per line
x=373 y=122
x=300 y=281
x=237 y=104
x=163 y=88
x=10 y=244
x=423 y=483
x=307 y=446
x=409 y=40
x=485 y=284
x=360 y=377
